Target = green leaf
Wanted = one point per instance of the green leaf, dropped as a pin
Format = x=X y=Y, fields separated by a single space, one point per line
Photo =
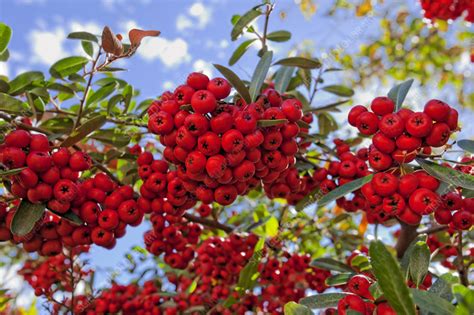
x=361 y=262
x=331 y=264
x=88 y=48
x=26 y=216
x=283 y=78
x=4 y=86
x=5 y=55
x=279 y=36
x=398 y=93
x=10 y=104
x=293 y=308
x=339 y=279
x=465 y=299
x=128 y=94
x=84 y=130
x=419 y=262
x=240 y=51
x=327 y=108
x=446 y=174
x=235 y=81
x=67 y=66
x=60 y=88
x=300 y=62
x=115 y=137
x=405 y=262
x=322 y=300
x=442 y=286
x=271 y=122
x=83 y=36
x=192 y=287
x=249 y=274
x=467 y=193
x=113 y=101
x=326 y=124
x=375 y=290
x=101 y=93
x=344 y=190
x=260 y=74
x=22 y=81
x=58 y=125
x=11 y=172
x=307 y=200
x=5 y=36
x=390 y=279
x=339 y=90
x=430 y=302
x=244 y=21
x=466 y=145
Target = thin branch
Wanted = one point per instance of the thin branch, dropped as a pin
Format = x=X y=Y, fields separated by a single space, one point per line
x=407 y=235
x=433 y=229
x=209 y=223
x=461 y=267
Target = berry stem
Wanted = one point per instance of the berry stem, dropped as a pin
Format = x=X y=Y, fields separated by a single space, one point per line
x=209 y=223
x=461 y=266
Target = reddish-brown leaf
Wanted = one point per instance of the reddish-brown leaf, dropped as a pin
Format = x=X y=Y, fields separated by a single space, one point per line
x=136 y=36
x=110 y=43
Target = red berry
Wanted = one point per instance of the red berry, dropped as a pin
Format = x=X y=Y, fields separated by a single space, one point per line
x=232 y=141
x=80 y=161
x=209 y=143
x=367 y=123
x=196 y=124
x=18 y=138
x=65 y=190
x=219 y=87
x=129 y=212
x=39 y=142
x=351 y=302
x=216 y=166
x=382 y=105
x=463 y=220
x=439 y=135
x=197 y=80
x=385 y=184
x=225 y=195
x=359 y=285
x=13 y=157
x=424 y=201
x=27 y=178
x=292 y=110
x=246 y=122
x=203 y=102
x=383 y=143
x=101 y=236
x=409 y=216
x=161 y=123
x=408 y=142
x=38 y=161
x=452 y=119
x=391 y=125
x=183 y=94
x=407 y=185
x=195 y=162
x=437 y=110
x=379 y=161
x=354 y=113
x=419 y=125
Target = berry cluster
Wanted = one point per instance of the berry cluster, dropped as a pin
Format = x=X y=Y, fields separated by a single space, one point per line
x=398 y=137
x=163 y=194
x=448 y=9
x=52 y=177
x=53 y=274
x=218 y=147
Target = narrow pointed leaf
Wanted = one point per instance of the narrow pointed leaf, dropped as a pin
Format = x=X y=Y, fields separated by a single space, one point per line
x=466 y=145
x=399 y=92
x=300 y=62
x=331 y=264
x=446 y=174
x=101 y=93
x=260 y=74
x=283 y=78
x=83 y=36
x=293 y=308
x=324 y=300
x=67 y=66
x=430 y=302
x=271 y=122
x=240 y=51
x=84 y=130
x=390 y=279
x=235 y=81
x=11 y=172
x=244 y=21
x=344 y=190
x=339 y=90
x=279 y=36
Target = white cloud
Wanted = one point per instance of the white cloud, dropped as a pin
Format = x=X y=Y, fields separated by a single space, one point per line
x=168 y=85
x=4 y=69
x=202 y=66
x=90 y=27
x=47 y=46
x=114 y=4
x=198 y=16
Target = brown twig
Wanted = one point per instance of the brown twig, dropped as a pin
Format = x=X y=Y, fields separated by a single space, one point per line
x=407 y=234
x=209 y=223
x=433 y=229
x=461 y=267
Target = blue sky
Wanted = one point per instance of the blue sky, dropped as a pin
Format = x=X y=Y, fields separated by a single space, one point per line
x=194 y=34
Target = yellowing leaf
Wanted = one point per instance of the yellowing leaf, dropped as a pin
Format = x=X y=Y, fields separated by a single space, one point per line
x=363 y=224
x=337 y=210
x=364 y=8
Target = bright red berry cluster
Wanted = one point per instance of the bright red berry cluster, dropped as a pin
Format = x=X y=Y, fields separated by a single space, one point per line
x=218 y=147
x=52 y=177
x=53 y=274
x=448 y=9
x=399 y=136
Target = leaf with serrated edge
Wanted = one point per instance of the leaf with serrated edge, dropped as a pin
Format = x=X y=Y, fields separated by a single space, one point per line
x=390 y=279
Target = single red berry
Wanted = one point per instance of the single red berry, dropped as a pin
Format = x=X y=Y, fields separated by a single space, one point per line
x=408 y=184
x=385 y=184
x=27 y=178
x=196 y=124
x=272 y=140
x=424 y=201
x=39 y=143
x=292 y=110
x=367 y=123
x=169 y=106
x=80 y=161
x=351 y=302
x=443 y=216
x=222 y=122
x=452 y=119
x=439 y=135
x=101 y=236
x=244 y=171
x=382 y=105
x=197 y=80
x=203 y=102
x=219 y=87
x=393 y=204
x=379 y=161
x=51 y=176
x=39 y=162
x=463 y=220
x=161 y=123
x=183 y=94
x=65 y=190
x=129 y=212
x=359 y=285
x=419 y=125
x=385 y=309
x=391 y=125
x=408 y=142
x=409 y=216
x=225 y=195
x=245 y=122
x=18 y=138
x=437 y=110
x=232 y=141
x=354 y=113
x=216 y=166
x=383 y=143
x=195 y=162
x=89 y=212
x=13 y=157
